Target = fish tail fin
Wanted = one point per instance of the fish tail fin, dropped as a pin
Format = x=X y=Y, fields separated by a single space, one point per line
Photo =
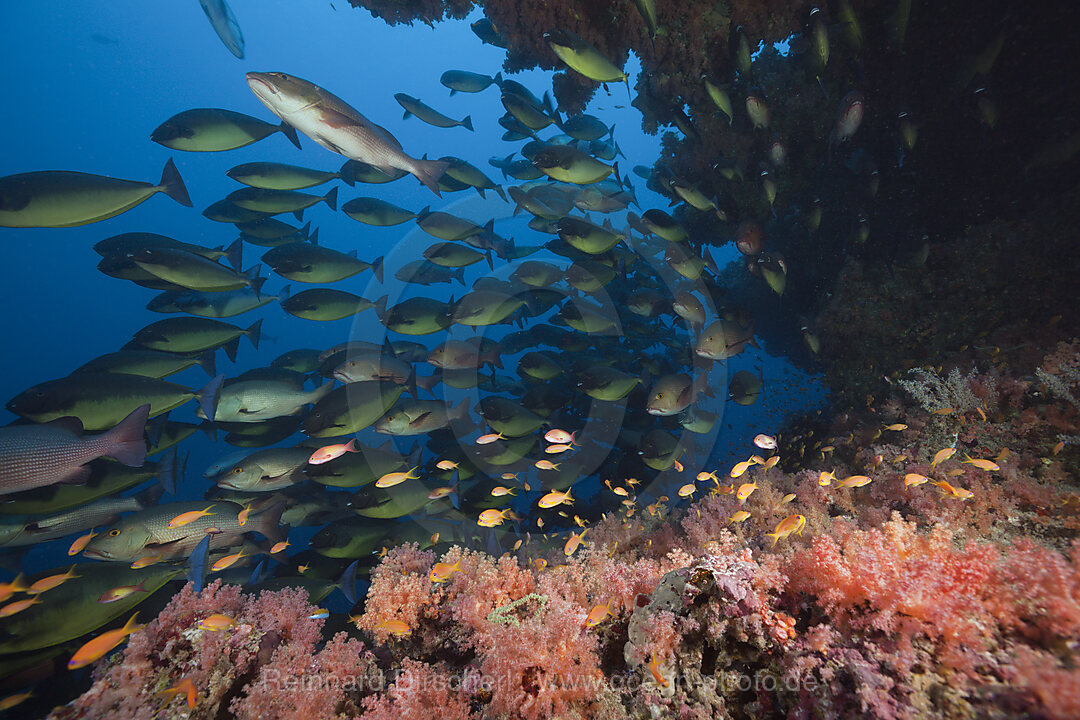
x=347 y=173
x=459 y=275
x=173 y=185
x=235 y=254
x=290 y=132
x=377 y=267
x=149 y=497
x=268 y=524
x=429 y=172
x=460 y=411
x=466 y=122
x=253 y=332
x=207 y=363
x=168 y=474
x=130 y=626
x=299 y=214
x=501 y=193
x=347 y=582
x=498 y=79
x=125 y=443
x=330 y=198
x=490 y=262
x=314 y=237
x=410 y=384
x=208 y=396
x=380 y=306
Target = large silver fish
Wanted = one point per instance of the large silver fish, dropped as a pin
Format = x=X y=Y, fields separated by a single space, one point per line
x=338 y=127
x=33 y=456
x=221 y=17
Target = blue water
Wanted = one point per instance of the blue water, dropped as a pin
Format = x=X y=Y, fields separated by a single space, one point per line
x=84 y=88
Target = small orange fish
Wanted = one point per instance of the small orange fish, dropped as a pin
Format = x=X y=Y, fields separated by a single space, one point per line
x=559 y=436
x=1004 y=454
x=741 y=468
x=441 y=492
x=242 y=516
x=944 y=411
x=540 y=563
x=393 y=478
x=914 y=480
x=48 y=583
x=854 y=481
x=1057 y=448
x=184 y=518
x=790 y=524
x=896 y=427
x=186 y=688
x=441 y=571
x=79 y=545
x=981 y=413
x=554 y=498
x=771 y=462
x=18 y=606
x=654 y=668
x=216 y=622
x=765 y=442
x=500 y=491
x=987 y=465
x=739 y=516
x=957 y=492
x=825 y=478
x=397 y=628
x=145 y=561
x=279 y=547
x=17 y=699
x=10 y=588
x=678 y=466
x=508 y=476
x=744 y=491
x=228 y=561
x=545 y=465
x=330 y=452
x=598 y=614
x=941 y=456
x=556 y=449
x=787 y=498
x=757 y=460
x=489 y=438
x=120 y=592
x=703 y=476
x=491 y=518
x=573 y=542
x=447 y=465
x=687 y=490
x=101 y=645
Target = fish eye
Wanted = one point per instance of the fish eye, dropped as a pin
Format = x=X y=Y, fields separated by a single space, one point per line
x=114 y=532
x=237 y=470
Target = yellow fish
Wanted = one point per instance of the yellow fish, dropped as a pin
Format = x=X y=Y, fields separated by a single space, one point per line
x=854 y=481
x=573 y=542
x=914 y=479
x=741 y=468
x=941 y=456
x=744 y=491
x=597 y=615
x=184 y=518
x=987 y=465
x=554 y=498
x=441 y=571
x=392 y=479
x=825 y=478
x=739 y=517
x=896 y=427
x=790 y=524
x=687 y=490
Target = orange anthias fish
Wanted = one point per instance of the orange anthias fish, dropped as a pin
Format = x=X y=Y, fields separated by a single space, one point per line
x=216 y=622
x=765 y=442
x=121 y=592
x=598 y=614
x=826 y=478
x=559 y=436
x=987 y=465
x=556 y=449
x=189 y=517
x=555 y=498
x=739 y=516
x=491 y=518
x=745 y=490
x=441 y=492
x=573 y=542
x=102 y=644
x=145 y=561
x=654 y=668
x=242 y=516
x=687 y=490
x=10 y=588
x=18 y=606
x=957 y=492
x=500 y=491
x=545 y=465
x=941 y=456
x=50 y=582
x=392 y=479
x=330 y=452
x=396 y=628
x=741 y=468
x=441 y=572
x=896 y=427
x=184 y=687
x=278 y=547
x=228 y=561
x=854 y=481
x=79 y=545
x=914 y=480
x=790 y=524
x=771 y=462
x=489 y=438
x=446 y=465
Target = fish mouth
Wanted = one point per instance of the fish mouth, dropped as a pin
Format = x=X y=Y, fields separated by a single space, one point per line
x=654 y=411
x=259 y=84
x=97 y=554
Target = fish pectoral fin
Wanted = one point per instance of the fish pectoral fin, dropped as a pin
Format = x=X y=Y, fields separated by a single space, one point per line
x=163 y=545
x=419 y=419
x=76 y=476
x=328 y=144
